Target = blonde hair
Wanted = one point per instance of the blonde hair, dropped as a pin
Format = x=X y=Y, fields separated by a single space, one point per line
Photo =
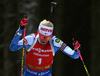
x=47 y=23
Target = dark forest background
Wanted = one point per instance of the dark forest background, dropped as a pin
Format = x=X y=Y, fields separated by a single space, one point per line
x=71 y=18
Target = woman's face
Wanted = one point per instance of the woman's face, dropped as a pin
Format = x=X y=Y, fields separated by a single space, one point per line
x=44 y=40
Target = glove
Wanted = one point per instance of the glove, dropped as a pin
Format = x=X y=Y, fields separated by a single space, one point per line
x=23 y=23
x=77 y=45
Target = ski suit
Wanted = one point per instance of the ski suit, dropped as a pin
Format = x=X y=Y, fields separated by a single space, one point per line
x=39 y=58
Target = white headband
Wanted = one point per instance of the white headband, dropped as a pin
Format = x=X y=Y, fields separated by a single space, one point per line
x=45 y=30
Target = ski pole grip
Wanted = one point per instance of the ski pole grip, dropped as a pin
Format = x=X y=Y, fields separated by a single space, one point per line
x=53 y=4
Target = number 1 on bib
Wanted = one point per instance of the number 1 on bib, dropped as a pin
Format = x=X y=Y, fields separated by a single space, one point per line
x=40 y=60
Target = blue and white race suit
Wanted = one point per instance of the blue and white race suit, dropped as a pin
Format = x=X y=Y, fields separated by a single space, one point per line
x=57 y=44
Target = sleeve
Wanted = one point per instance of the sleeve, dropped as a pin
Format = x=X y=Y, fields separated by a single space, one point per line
x=60 y=45
x=17 y=44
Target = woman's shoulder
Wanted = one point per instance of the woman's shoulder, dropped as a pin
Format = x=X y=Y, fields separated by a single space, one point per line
x=56 y=41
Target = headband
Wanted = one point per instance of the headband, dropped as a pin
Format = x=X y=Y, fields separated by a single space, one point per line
x=45 y=30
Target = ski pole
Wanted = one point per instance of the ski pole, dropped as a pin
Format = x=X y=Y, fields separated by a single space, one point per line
x=52 y=4
x=23 y=51
x=81 y=59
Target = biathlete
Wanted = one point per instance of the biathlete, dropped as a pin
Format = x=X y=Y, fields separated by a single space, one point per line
x=41 y=48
